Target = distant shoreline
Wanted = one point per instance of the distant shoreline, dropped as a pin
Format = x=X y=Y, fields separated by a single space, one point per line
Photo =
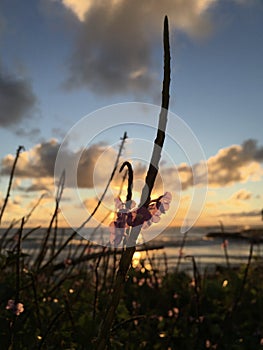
x=254 y=234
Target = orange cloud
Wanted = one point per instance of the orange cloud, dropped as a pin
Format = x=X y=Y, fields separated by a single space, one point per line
x=235 y=164
x=242 y=195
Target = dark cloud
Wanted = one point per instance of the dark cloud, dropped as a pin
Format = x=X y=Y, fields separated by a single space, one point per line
x=16 y=99
x=86 y=167
x=58 y=133
x=36 y=163
x=252 y=151
x=39 y=163
x=112 y=54
x=31 y=134
x=116 y=41
x=35 y=187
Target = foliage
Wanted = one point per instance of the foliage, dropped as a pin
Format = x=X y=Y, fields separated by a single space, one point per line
x=157 y=310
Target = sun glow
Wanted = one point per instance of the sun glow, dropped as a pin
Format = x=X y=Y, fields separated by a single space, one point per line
x=136 y=259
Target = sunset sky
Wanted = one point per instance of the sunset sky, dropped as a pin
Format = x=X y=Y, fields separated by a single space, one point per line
x=62 y=60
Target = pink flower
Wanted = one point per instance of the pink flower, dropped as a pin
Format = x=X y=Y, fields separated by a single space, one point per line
x=224 y=244
x=181 y=252
x=165 y=202
x=67 y=262
x=138 y=217
x=117 y=227
x=17 y=309
x=117 y=231
x=155 y=212
x=176 y=310
x=129 y=216
x=146 y=224
x=170 y=313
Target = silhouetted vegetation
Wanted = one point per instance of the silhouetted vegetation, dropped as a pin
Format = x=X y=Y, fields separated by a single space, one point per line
x=85 y=296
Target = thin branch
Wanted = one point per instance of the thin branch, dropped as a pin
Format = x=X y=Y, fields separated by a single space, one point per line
x=245 y=276
x=96 y=285
x=27 y=217
x=20 y=148
x=51 y=325
x=62 y=247
x=36 y=301
x=14 y=222
x=125 y=322
x=224 y=244
x=44 y=248
x=18 y=262
x=180 y=254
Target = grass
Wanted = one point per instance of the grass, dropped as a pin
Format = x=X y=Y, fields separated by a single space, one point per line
x=63 y=308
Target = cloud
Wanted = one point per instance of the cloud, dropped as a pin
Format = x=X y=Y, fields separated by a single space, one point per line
x=241 y=195
x=79 y=8
x=17 y=99
x=243 y=214
x=239 y=199
x=233 y=164
x=237 y=163
x=36 y=163
x=183 y=15
x=39 y=162
x=39 y=184
x=116 y=40
x=95 y=166
x=31 y=134
x=59 y=133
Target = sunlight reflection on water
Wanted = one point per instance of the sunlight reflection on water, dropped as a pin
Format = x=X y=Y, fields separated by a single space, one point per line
x=208 y=253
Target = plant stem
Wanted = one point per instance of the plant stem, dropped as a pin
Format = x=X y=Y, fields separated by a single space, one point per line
x=224 y=244
x=18 y=262
x=127 y=254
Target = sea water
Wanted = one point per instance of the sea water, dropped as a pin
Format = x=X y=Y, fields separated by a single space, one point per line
x=208 y=253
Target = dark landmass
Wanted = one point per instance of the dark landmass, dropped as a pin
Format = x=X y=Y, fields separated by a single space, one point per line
x=255 y=235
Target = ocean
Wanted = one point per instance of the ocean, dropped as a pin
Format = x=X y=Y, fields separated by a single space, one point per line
x=207 y=252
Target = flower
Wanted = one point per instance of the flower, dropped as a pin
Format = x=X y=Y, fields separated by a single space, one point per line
x=224 y=245
x=181 y=252
x=138 y=217
x=130 y=216
x=67 y=262
x=207 y=343
x=17 y=309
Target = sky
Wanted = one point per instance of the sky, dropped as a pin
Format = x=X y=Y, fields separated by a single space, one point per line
x=85 y=71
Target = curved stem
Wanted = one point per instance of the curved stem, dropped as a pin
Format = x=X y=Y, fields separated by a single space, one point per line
x=130 y=183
